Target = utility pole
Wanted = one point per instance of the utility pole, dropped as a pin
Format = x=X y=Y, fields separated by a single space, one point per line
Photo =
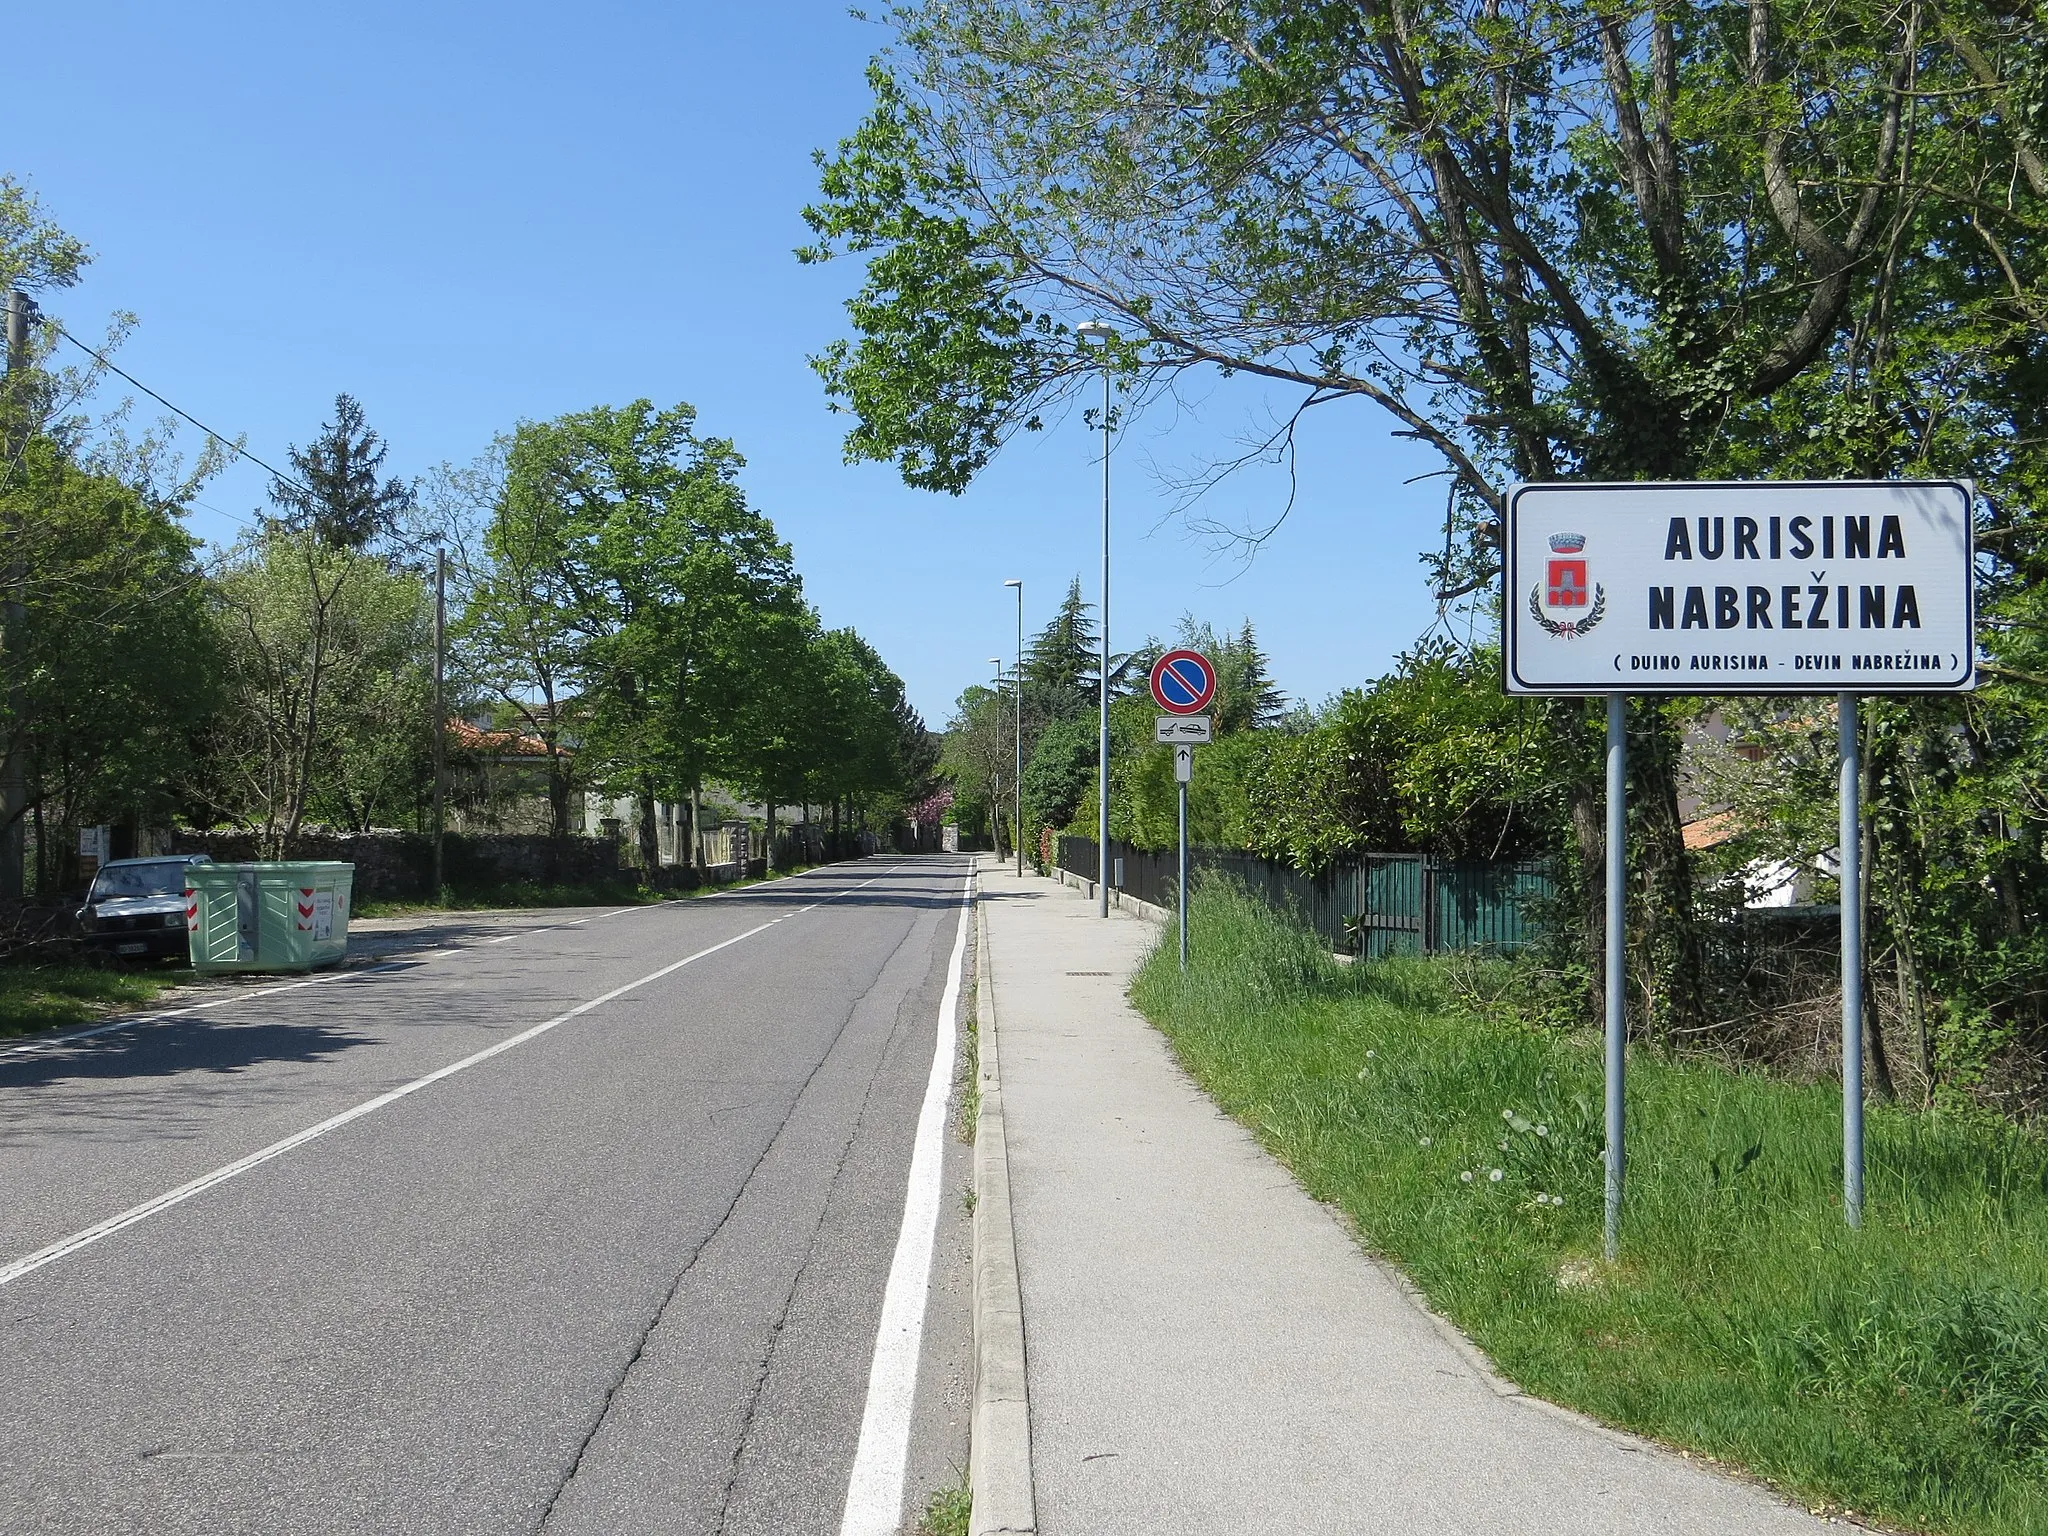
x=1017 y=780
x=1097 y=330
x=13 y=793
x=440 y=709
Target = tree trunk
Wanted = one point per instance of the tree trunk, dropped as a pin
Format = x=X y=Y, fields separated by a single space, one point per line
x=768 y=843
x=686 y=834
x=1589 y=843
x=1669 y=970
x=1875 y=1049
x=558 y=793
x=650 y=835
x=1913 y=1009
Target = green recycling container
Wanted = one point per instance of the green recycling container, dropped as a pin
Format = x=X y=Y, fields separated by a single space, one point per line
x=286 y=916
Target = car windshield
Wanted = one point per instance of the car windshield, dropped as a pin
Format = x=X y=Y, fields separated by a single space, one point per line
x=159 y=877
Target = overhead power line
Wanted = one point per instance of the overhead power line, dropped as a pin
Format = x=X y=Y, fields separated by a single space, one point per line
x=232 y=447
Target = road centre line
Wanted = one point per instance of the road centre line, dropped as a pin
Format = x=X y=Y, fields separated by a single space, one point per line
x=141 y=1020
x=874 y=1493
x=87 y=1237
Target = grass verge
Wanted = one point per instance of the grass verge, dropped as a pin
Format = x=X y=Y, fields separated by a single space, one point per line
x=969 y=1113
x=59 y=996
x=1900 y=1372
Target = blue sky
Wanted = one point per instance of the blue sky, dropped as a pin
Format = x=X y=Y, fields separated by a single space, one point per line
x=470 y=214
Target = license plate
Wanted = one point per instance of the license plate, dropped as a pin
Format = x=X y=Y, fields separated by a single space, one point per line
x=130 y=949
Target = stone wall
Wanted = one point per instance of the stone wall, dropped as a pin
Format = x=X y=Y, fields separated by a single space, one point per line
x=399 y=866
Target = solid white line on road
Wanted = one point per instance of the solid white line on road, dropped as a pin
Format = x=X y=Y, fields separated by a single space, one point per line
x=24 y=1266
x=206 y=1181
x=874 y=1494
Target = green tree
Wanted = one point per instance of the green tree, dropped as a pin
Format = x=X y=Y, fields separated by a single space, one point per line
x=678 y=604
x=325 y=653
x=514 y=628
x=118 y=670
x=1059 y=776
x=1064 y=662
x=35 y=256
x=1247 y=699
x=335 y=492
x=1550 y=240
x=873 y=752
x=980 y=758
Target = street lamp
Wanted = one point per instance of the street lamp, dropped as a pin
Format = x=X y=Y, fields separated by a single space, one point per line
x=1017 y=818
x=440 y=714
x=995 y=812
x=1097 y=330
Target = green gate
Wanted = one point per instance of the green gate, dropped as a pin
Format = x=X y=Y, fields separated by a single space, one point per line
x=1410 y=904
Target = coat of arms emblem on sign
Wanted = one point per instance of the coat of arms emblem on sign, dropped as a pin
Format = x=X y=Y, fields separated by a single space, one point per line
x=1564 y=586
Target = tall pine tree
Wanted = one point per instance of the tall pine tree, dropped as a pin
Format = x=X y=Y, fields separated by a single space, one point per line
x=1062 y=669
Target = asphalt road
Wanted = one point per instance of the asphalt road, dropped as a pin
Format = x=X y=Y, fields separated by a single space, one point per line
x=622 y=1276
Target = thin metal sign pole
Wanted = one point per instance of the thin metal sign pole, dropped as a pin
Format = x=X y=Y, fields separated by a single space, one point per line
x=1851 y=836
x=1182 y=898
x=1617 y=946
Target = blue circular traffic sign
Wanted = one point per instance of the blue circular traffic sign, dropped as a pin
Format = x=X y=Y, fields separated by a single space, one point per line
x=1183 y=682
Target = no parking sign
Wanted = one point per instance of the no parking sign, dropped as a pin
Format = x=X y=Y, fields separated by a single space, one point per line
x=1183 y=682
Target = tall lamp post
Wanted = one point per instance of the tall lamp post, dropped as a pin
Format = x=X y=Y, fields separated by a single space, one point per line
x=440 y=713
x=1097 y=330
x=1017 y=784
x=995 y=812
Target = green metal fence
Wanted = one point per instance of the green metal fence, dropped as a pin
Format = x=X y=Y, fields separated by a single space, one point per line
x=1378 y=904
x=1414 y=904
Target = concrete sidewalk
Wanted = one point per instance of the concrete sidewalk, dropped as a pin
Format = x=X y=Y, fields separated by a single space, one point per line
x=1207 y=1348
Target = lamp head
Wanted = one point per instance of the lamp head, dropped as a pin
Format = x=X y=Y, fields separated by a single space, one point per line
x=1095 y=330
x=1017 y=584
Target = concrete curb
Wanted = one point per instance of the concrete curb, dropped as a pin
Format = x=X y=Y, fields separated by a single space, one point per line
x=1122 y=900
x=999 y=1448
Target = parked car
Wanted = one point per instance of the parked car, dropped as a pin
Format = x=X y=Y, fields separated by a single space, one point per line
x=137 y=906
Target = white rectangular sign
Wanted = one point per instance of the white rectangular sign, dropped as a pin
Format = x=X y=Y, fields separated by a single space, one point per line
x=1815 y=586
x=1184 y=763
x=1175 y=729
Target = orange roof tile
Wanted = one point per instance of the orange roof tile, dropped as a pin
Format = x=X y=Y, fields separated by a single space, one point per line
x=505 y=743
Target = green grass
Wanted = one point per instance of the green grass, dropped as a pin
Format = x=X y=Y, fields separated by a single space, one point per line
x=948 y=1512
x=1900 y=1371
x=969 y=1112
x=39 y=997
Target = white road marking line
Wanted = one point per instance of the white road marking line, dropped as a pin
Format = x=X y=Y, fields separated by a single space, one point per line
x=128 y=1218
x=206 y=1181
x=177 y=1013
x=874 y=1493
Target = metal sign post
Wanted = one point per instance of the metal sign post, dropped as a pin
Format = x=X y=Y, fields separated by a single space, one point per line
x=1850 y=831
x=1617 y=959
x=1183 y=733
x=1183 y=683
x=1701 y=588
x=1183 y=771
